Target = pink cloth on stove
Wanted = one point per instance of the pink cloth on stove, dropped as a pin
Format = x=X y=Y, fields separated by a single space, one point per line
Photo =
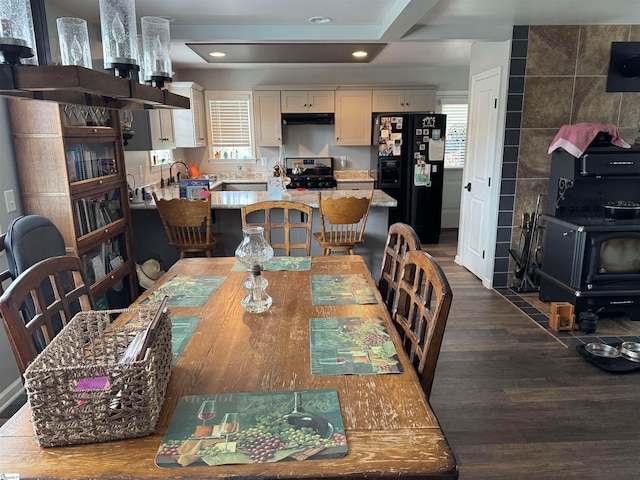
x=576 y=138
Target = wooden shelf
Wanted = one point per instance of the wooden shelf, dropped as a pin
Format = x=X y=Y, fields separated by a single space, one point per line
x=83 y=86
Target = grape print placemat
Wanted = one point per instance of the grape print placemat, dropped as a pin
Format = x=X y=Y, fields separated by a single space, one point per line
x=352 y=345
x=341 y=290
x=185 y=291
x=236 y=428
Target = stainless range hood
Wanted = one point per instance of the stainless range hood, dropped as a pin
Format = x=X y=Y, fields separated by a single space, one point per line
x=307 y=118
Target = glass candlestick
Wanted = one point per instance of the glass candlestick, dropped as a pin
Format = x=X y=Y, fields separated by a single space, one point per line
x=253 y=251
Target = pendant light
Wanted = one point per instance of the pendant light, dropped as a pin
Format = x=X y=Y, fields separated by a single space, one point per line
x=17 y=37
x=156 y=50
x=119 y=37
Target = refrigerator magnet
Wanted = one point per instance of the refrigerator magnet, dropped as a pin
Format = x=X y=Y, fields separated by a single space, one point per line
x=422 y=147
x=436 y=150
x=429 y=121
x=417 y=156
x=435 y=134
x=418 y=132
x=425 y=139
x=422 y=175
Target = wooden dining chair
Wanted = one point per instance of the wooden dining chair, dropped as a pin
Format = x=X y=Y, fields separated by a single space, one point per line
x=29 y=318
x=282 y=229
x=420 y=313
x=401 y=238
x=187 y=224
x=342 y=223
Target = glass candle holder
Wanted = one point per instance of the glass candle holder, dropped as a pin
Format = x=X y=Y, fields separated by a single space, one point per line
x=156 y=50
x=253 y=251
x=119 y=36
x=17 y=36
x=74 y=41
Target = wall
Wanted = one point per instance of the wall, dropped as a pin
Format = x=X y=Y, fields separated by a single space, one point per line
x=558 y=76
x=10 y=383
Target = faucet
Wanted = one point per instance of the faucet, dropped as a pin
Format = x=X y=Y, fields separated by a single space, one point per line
x=171 y=179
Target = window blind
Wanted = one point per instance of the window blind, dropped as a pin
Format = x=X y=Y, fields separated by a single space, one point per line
x=456 y=135
x=230 y=123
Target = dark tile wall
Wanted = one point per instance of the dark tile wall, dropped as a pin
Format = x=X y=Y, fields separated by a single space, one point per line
x=557 y=76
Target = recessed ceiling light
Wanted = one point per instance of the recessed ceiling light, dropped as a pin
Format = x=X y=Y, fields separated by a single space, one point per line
x=218 y=54
x=320 y=19
x=359 y=54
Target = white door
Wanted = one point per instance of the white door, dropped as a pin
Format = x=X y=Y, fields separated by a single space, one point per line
x=476 y=249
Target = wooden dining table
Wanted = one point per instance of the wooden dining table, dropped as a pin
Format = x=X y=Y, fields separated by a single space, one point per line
x=390 y=427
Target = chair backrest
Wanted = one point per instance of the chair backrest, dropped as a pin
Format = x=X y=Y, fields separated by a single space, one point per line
x=343 y=219
x=6 y=275
x=421 y=310
x=187 y=223
x=29 y=239
x=28 y=335
x=401 y=238
x=281 y=225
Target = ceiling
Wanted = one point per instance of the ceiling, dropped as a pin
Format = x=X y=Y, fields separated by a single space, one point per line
x=430 y=33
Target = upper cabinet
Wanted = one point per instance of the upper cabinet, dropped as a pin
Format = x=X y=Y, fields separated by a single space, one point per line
x=300 y=101
x=190 y=126
x=404 y=101
x=267 y=118
x=153 y=130
x=353 y=117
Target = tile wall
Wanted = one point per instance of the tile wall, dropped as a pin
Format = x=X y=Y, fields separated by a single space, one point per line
x=558 y=76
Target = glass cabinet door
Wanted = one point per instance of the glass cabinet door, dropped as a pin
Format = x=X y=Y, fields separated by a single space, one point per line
x=97 y=210
x=87 y=160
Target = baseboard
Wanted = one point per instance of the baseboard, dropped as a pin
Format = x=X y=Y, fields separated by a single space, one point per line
x=9 y=394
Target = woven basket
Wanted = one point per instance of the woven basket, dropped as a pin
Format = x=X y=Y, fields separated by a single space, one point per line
x=79 y=393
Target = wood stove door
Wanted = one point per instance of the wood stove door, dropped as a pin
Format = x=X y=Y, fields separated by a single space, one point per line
x=563 y=254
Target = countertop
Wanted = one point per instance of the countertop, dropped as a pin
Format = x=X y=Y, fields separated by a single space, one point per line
x=231 y=200
x=261 y=177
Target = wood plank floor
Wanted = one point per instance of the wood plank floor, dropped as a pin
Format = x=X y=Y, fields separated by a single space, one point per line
x=515 y=403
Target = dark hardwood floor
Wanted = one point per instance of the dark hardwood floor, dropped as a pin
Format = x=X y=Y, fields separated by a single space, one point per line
x=515 y=403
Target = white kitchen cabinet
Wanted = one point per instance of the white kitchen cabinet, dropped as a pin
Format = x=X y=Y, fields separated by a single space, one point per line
x=153 y=130
x=300 y=101
x=190 y=126
x=267 y=118
x=353 y=117
x=404 y=101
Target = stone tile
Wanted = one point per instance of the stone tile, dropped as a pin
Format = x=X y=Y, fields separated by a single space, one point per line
x=630 y=111
x=629 y=135
x=591 y=103
x=552 y=50
x=594 y=48
x=534 y=161
x=547 y=102
x=527 y=191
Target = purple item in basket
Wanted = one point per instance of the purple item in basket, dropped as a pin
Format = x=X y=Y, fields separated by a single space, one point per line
x=92 y=383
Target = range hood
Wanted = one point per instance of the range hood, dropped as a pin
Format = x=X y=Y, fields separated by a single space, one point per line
x=83 y=86
x=307 y=118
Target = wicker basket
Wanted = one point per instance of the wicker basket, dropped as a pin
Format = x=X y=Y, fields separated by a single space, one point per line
x=79 y=393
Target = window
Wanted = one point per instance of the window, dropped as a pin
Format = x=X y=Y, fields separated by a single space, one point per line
x=456 y=133
x=230 y=133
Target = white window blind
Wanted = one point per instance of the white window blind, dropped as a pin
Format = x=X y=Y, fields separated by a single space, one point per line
x=230 y=125
x=456 y=135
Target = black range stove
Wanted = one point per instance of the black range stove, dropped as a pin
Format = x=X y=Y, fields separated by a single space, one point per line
x=310 y=173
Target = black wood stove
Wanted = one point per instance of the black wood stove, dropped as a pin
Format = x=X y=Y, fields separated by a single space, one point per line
x=591 y=259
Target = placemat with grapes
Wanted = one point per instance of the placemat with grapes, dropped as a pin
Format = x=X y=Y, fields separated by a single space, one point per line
x=237 y=428
x=185 y=291
x=279 y=263
x=341 y=290
x=352 y=345
x=181 y=330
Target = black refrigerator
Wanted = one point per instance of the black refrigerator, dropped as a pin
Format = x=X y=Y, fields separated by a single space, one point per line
x=410 y=151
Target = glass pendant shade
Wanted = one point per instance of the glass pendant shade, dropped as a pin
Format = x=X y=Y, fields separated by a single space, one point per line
x=119 y=35
x=17 y=37
x=156 y=50
x=74 y=41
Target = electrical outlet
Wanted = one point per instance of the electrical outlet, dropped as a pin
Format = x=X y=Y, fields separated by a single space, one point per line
x=263 y=161
x=10 y=200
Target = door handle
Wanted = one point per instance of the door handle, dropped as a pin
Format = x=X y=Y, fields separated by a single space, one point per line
x=468 y=187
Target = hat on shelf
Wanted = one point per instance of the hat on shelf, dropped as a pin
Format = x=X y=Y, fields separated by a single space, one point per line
x=149 y=272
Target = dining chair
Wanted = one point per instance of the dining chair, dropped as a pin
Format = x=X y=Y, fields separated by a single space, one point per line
x=342 y=222
x=187 y=224
x=5 y=275
x=29 y=334
x=281 y=229
x=420 y=313
x=401 y=238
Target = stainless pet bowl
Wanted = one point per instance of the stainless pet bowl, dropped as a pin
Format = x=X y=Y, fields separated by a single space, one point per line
x=603 y=350
x=630 y=351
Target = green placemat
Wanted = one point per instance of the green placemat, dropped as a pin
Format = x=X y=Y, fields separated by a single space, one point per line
x=352 y=345
x=185 y=291
x=341 y=290
x=236 y=428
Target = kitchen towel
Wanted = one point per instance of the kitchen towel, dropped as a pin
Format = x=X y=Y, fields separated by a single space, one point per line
x=576 y=138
